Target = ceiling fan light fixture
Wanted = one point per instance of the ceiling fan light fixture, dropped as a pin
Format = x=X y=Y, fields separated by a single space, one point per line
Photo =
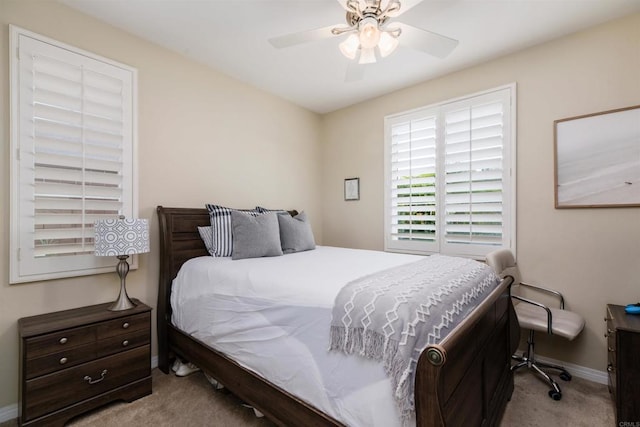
x=388 y=43
x=367 y=55
x=349 y=47
x=369 y=32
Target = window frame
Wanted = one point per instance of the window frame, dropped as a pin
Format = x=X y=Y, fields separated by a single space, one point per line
x=508 y=179
x=22 y=266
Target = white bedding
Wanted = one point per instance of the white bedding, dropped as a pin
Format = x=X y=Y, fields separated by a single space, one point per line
x=272 y=315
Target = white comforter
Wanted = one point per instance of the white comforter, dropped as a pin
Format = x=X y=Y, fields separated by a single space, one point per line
x=272 y=315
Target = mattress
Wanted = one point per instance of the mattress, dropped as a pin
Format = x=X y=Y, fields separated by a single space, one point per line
x=273 y=316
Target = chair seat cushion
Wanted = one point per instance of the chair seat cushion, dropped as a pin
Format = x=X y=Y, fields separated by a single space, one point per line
x=565 y=323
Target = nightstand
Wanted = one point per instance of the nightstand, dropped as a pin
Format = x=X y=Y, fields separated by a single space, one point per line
x=75 y=360
x=623 y=345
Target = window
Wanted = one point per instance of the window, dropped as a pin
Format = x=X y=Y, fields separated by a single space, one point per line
x=450 y=178
x=73 y=155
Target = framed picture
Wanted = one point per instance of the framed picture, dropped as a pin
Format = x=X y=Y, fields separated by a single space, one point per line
x=352 y=189
x=597 y=159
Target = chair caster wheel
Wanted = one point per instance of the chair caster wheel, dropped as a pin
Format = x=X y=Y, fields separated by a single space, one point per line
x=555 y=395
x=565 y=376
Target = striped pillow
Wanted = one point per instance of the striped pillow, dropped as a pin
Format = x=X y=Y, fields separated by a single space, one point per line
x=206 y=234
x=221 y=230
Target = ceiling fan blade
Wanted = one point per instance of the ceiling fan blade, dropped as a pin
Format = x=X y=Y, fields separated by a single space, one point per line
x=302 y=37
x=355 y=72
x=343 y=3
x=404 y=6
x=359 y=4
x=432 y=43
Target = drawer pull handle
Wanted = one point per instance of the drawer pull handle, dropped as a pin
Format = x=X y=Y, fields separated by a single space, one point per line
x=125 y=325
x=125 y=343
x=63 y=340
x=610 y=368
x=611 y=350
x=63 y=360
x=88 y=379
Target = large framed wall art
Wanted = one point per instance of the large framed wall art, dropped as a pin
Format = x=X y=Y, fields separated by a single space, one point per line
x=597 y=159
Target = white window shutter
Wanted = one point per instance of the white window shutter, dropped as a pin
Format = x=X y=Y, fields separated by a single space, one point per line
x=451 y=163
x=473 y=198
x=75 y=155
x=412 y=201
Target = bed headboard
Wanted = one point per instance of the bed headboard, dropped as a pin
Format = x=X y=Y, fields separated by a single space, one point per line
x=179 y=242
x=179 y=238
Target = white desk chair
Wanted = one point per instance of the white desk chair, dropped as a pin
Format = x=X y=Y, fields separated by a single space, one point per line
x=536 y=316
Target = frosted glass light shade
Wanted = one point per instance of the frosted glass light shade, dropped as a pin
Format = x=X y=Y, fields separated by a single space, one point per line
x=387 y=44
x=367 y=56
x=349 y=47
x=369 y=33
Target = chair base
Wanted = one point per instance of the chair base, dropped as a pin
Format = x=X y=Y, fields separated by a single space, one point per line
x=528 y=360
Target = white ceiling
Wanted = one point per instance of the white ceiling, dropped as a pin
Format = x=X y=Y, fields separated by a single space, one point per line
x=232 y=37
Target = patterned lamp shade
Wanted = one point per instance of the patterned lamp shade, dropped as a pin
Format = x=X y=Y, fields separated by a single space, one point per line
x=121 y=236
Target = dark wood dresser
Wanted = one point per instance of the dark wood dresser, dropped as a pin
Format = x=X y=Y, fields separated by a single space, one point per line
x=76 y=360
x=623 y=342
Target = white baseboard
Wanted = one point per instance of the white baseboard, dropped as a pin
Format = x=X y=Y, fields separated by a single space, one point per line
x=11 y=412
x=600 y=377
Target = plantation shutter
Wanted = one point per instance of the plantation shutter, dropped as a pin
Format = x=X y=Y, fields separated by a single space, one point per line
x=75 y=156
x=449 y=177
x=413 y=171
x=474 y=173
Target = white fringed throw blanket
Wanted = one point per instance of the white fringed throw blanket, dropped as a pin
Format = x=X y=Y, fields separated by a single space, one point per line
x=392 y=316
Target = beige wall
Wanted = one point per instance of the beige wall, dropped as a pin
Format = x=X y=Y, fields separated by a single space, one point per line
x=592 y=255
x=206 y=137
x=203 y=137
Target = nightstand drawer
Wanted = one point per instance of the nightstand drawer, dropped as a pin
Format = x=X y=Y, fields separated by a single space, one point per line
x=123 y=342
x=61 y=360
x=124 y=325
x=58 y=341
x=77 y=383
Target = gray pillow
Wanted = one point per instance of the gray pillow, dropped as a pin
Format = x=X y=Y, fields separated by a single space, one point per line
x=222 y=233
x=263 y=210
x=295 y=233
x=255 y=236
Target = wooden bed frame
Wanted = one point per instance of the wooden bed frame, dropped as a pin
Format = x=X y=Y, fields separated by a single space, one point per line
x=464 y=380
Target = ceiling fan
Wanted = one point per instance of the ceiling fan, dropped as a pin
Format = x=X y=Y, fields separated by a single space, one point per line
x=373 y=33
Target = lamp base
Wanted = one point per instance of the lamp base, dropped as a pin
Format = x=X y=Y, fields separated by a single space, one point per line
x=123 y=302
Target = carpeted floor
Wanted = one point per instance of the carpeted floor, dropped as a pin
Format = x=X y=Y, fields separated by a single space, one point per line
x=191 y=401
x=583 y=404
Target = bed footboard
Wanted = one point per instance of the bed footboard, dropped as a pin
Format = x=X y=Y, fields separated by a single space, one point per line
x=465 y=380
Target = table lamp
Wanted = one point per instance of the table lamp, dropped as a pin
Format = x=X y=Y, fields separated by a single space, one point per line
x=121 y=237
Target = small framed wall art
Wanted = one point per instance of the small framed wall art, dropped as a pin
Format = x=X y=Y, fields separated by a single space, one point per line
x=352 y=189
x=597 y=159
